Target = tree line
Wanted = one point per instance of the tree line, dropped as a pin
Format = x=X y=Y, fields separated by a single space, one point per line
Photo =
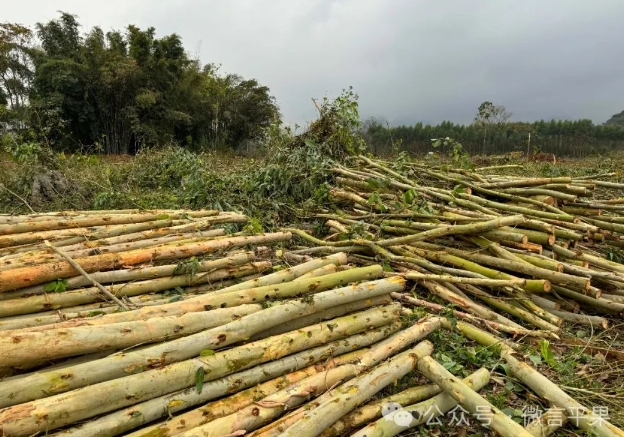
x=493 y=133
x=121 y=91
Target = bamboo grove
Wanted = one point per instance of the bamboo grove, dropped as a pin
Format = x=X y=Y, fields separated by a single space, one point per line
x=119 y=91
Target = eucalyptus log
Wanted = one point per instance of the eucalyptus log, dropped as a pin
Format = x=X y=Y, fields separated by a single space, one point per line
x=578 y=415
x=116 y=366
x=24 y=276
x=257 y=291
x=61 y=343
x=422 y=412
x=53 y=301
x=317 y=359
x=468 y=398
x=63 y=409
x=140 y=273
x=264 y=411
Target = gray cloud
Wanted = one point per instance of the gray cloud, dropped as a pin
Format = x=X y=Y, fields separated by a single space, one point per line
x=408 y=60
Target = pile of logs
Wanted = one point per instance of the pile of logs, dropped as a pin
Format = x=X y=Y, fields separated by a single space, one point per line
x=170 y=323
x=520 y=256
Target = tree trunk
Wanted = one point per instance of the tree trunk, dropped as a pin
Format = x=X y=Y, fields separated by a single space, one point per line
x=412 y=416
x=20 y=277
x=61 y=410
x=33 y=386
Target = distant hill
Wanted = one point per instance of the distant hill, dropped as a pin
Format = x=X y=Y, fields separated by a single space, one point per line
x=617 y=119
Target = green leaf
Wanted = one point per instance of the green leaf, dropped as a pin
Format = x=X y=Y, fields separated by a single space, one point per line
x=386 y=266
x=547 y=354
x=57 y=286
x=581 y=334
x=409 y=196
x=506 y=369
x=206 y=353
x=508 y=411
x=536 y=359
x=199 y=379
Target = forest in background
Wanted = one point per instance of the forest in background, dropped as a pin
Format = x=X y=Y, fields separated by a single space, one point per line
x=117 y=92
x=492 y=132
x=121 y=91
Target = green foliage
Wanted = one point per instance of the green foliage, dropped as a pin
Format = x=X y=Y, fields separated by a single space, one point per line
x=122 y=91
x=616 y=120
x=615 y=255
x=547 y=354
x=578 y=138
x=169 y=167
x=189 y=267
x=454 y=149
x=199 y=379
x=56 y=286
x=24 y=153
x=253 y=227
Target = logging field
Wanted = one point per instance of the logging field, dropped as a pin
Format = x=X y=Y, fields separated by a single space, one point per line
x=320 y=291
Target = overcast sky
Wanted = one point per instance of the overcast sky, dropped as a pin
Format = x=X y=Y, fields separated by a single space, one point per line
x=409 y=60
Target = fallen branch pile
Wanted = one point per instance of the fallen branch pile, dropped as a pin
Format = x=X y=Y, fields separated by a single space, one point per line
x=165 y=324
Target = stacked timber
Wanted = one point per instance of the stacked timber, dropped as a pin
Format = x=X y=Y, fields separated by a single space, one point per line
x=518 y=255
x=169 y=323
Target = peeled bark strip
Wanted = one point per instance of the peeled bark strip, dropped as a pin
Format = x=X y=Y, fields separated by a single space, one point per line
x=20 y=277
x=116 y=366
x=423 y=412
x=61 y=410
